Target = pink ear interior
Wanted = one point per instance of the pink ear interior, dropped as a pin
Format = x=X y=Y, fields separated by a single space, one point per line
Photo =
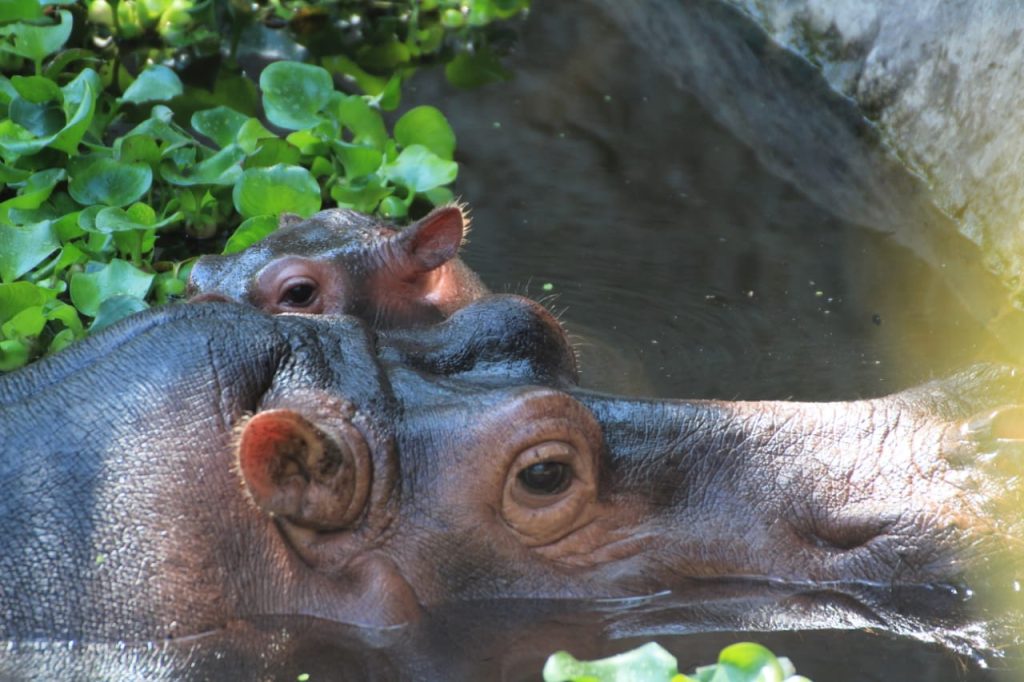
x=435 y=239
x=268 y=440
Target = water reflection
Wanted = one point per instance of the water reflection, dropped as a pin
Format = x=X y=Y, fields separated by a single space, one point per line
x=510 y=639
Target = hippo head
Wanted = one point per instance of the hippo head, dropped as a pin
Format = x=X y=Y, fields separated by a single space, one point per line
x=341 y=261
x=502 y=479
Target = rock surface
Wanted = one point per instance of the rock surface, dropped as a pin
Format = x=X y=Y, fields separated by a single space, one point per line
x=942 y=81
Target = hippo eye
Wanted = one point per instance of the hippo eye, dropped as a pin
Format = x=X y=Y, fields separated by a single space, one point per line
x=549 y=485
x=298 y=292
x=546 y=478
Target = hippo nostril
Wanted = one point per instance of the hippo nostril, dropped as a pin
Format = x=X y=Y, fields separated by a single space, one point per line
x=847 y=533
x=209 y=297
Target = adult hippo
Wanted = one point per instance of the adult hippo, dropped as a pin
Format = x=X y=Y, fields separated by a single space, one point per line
x=197 y=465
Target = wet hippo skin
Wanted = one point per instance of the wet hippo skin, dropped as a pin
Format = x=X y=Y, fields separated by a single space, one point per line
x=198 y=465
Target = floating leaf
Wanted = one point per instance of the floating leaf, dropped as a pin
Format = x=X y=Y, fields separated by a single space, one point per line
x=137 y=148
x=102 y=180
x=250 y=134
x=23 y=248
x=427 y=126
x=366 y=123
x=272 y=152
x=14 y=353
x=649 y=662
x=220 y=169
x=36 y=190
x=18 y=296
x=275 y=190
x=293 y=93
x=35 y=42
x=358 y=160
x=42 y=120
x=749 y=662
x=90 y=289
x=27 y=323
x=116 y=308
x=79 y=106
x=156 y=84
x=420 y=169
x=220 y=124
x=14 y=10
x=250 y=232
x=361 y=196
x=36 y=89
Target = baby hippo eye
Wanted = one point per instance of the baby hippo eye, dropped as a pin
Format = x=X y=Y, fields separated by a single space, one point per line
x=298 y=292
x=546 y=478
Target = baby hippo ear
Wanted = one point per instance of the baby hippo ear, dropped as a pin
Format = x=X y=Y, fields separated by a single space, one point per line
x=314 y=477
x=434 y=239
x=286 y=219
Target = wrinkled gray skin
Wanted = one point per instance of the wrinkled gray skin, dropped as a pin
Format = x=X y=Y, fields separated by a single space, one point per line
x=340 y=261
x=138 y=502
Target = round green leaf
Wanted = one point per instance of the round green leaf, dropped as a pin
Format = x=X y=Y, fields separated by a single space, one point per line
x=102 y=180
x=23 y=248
x=13 y=354
x=13 y=10
x=277 y=189
x=27 y=323
x=427 y=126
x=220 y=169
x=250 y=232
x=36 y=190
x=420 y=169
x=19 y=296
x=250 y=134
x=361 y=196
x=90 y=289
x=116 y=308
x=36 y=88
x=293 y=93
x=357 y=159
x=364 y=121
x=35 y=42
x=156 y=84
x=755 y=662
x=220 y=124
x=272 y=152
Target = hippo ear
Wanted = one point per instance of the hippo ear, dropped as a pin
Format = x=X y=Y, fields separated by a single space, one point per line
x=307 y=475
x=286 y=219
x=435 y=239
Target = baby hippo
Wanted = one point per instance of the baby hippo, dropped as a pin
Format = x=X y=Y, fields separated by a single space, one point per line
x=340 y=261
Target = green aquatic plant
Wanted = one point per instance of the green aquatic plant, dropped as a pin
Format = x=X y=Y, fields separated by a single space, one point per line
x=742 y=662
x=115 y=177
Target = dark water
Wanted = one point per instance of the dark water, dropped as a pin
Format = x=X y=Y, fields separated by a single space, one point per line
x=510 y=640
x=712 y=222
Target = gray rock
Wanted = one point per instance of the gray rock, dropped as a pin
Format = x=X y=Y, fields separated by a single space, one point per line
x=942 y=80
